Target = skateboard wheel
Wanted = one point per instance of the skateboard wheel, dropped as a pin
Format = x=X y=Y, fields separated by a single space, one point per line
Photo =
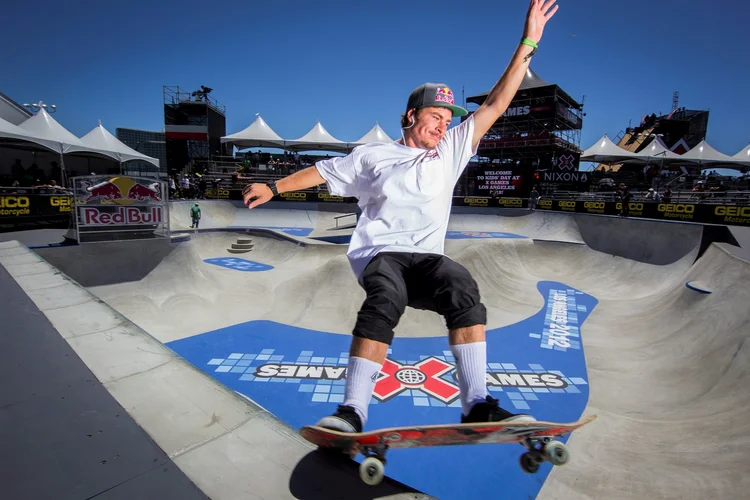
x=529 y=463
x=371 y=471
x=556 y=453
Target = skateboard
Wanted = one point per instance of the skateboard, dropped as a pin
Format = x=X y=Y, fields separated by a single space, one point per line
x=536 y=437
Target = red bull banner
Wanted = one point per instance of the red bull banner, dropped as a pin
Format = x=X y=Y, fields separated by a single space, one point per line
x=111 y=208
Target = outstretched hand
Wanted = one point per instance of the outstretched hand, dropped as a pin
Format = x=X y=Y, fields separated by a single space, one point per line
x=540 y=11
x=259 y=192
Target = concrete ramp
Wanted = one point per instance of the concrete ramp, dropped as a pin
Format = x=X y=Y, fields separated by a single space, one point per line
x=663 y=366
x=666 y=364
x=653 y=242
x=669 y=373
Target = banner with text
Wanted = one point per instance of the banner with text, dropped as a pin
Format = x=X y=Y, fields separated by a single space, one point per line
x=686 y=212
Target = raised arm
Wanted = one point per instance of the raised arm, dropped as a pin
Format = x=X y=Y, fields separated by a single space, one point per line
x=261 y=193
x=499 y=98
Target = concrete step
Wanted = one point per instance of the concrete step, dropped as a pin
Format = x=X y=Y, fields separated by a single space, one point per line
x=244 y=240
x=237 y=250
x=240 y=246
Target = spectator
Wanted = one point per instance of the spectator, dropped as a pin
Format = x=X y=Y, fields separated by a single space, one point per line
x=533 y=198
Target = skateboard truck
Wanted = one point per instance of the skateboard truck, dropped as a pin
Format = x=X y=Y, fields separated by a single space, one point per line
x=540 y=451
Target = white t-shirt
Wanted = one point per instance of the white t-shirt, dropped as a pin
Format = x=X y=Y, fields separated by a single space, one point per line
x=405 y=193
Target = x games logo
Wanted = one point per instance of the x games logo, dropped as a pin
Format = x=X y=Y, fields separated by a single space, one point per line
x=395 y=378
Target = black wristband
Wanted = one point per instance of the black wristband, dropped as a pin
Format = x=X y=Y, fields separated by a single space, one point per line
x=274 y=190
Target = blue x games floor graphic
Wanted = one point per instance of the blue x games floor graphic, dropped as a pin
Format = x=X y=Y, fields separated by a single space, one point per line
x=239 y=264
x=535 y=366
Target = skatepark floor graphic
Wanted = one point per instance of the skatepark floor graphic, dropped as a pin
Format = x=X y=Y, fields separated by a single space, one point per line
x=572 y=331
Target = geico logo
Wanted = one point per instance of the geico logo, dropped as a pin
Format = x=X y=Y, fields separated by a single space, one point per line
x=567 y=204
x=14 y=201
x=545 y=203
x=676 y=208
x=329 y=197
x=510 y=202
x=732 y=211
x=476 y=201
x=635 y=206
x=222 y=192
x=593 y=204
x=60 y=201
x=298 y=196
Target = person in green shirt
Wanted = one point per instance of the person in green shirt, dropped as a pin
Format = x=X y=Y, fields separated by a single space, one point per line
x=195 y=214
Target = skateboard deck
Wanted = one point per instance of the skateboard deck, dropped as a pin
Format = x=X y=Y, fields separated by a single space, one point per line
x=537 y=437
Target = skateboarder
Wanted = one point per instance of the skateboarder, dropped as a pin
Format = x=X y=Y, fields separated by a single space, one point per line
x=396 y=251
x=195 y=214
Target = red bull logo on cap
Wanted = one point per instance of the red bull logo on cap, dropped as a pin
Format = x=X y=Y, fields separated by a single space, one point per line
x=444 y=94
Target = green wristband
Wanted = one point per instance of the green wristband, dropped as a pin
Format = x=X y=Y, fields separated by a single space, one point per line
x=530 y=43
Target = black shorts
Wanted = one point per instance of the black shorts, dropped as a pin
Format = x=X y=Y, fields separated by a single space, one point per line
x=394 y=280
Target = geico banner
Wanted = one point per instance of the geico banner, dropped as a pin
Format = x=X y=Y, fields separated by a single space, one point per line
x=236 y=194
x=688 y=212
x=483 y=201
x=15 y=206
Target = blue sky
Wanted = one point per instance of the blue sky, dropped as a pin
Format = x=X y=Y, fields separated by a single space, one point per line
x=352 y=64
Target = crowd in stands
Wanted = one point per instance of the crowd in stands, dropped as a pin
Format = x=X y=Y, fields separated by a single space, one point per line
x=31 y=180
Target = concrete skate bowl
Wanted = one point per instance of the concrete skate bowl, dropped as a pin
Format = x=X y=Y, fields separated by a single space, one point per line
x=663 y=366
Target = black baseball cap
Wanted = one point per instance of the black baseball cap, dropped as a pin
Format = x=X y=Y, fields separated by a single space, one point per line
x=434 y=94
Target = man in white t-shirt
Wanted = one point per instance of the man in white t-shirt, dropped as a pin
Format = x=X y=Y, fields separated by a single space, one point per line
x=404 y=190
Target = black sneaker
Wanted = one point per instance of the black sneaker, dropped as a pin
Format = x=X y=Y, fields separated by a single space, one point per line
x=489 y=411
x=344 y=420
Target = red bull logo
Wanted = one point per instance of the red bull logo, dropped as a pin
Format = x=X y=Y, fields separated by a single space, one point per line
x=104 y=191
x=120 y=190
x=92 y=216
x=444 y=94
x=142 y=193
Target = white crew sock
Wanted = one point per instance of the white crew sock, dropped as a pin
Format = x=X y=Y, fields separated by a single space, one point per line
x=471 y=366
x=361 y=376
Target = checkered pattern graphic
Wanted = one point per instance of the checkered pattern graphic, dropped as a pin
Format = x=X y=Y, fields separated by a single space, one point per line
x=239 y=264
x=571 y=339
x=332 y=391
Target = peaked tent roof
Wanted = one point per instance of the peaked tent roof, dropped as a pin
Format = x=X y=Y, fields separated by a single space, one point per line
x=99 y=138
x=318 y=138
x=376 y=134
x=58 y=138
x=10 y=131
x=656 y=150
x=704 y=153
x=257 y=135
x=743 y=155
x=606 y=151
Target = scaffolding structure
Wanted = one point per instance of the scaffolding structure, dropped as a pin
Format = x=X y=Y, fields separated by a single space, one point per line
x=540 y=131
x=194 y=122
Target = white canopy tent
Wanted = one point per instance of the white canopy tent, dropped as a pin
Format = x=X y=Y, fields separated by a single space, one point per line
x=257 y=135
x=656 y=151
x=376 y=134
x=58 y=138
x=99 y=138
x=14 y=132
x=606 y=151
x=318 y=139
x=704 y=154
